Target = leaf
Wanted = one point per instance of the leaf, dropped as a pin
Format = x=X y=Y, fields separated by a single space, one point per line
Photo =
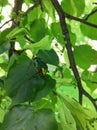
x=82 y=116
x=3 y=3
x=38 y=29
x=4 y=47
x=16 y=31
x=23 y=82
x=17 y=118
x=90 y=79
x=85 y=56
x=49 y=56
x=66 y=118
x=42 y=44
x=72 y=35
x=3 y=34
x=73 y=7
x=47 y=6
x=57 y=32
x=21 y=40
x=88 y=30
x=46 y=120
x=36 y=13
x=2 y=113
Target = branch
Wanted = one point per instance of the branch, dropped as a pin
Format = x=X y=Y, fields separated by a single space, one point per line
x=6 y=23
x=31 y=8
x=16 y=9
x=91 y=13
x=62 y=17
x=80 y=20
x=24 y=14
x=90 y=98
x=28 y=39
x=68 y=45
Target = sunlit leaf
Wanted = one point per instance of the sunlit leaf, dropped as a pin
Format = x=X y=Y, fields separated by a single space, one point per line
x=42 y=44
x=47 y=6
x=90 y=79
x=82 y=116
x=36 y=12
x=73 y=7
x=66 y=118
x=88 y=30
x=16 y=31
x=85 y=56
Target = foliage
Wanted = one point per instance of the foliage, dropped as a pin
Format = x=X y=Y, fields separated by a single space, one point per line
x=44 y=70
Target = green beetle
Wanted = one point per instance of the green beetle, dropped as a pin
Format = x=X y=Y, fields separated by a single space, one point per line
x=40 y=66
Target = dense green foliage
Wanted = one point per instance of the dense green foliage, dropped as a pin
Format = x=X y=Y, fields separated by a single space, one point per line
x=38 y=88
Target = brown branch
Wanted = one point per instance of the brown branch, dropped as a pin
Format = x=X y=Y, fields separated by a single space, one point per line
x=6 y=23
x=62 y=17
x=16 y=9
x=90 y=14
x=24 y=14
x=90 y=98
x=28 y=39
x=80 y=20
x=66 y=15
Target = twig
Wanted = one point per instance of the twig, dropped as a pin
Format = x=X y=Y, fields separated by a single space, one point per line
x=16 y=9
x=80 y=20
x=29 y=39
x=90 y=98
x=91 y=13
x=62 y=17
x=6 y=23
x=24 y=14
x=94 y=3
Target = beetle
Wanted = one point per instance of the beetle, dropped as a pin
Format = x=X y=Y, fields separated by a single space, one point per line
x=40 y=66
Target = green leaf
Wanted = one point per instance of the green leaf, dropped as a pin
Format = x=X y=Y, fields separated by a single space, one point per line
x=49 y=56
x=42 y=44
x=16 y=31
x=57 y=32
x=4 y=47
x=21 y=40
x=2 y=113
x=85 y=56
x=3 y=34
x=88 y=30
x=24 y=118
x=3 y=3
x=73 y=7
x=82 y=116
x=24 y=82
x=47 y=6
x=66 y=118
x=34 y=14
x=38 y=29
x=72 y=35
x=90 y=79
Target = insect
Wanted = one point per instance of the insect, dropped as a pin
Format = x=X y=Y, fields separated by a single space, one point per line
x=40 y=66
